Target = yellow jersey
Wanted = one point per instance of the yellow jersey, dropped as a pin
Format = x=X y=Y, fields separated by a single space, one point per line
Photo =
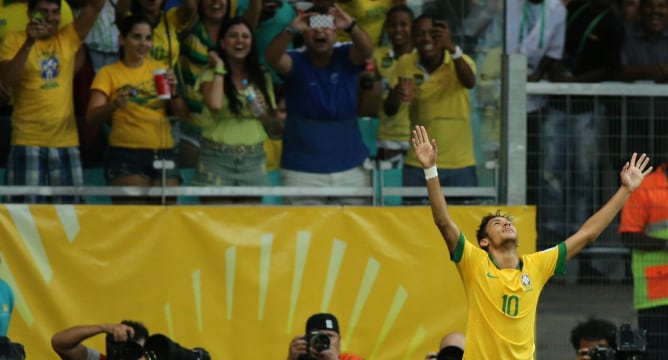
x=398 y=126
x=502 y=303
x=142 y=123
x=42 y=99
x=370 y=16
x=165 y=39
x=441 y=104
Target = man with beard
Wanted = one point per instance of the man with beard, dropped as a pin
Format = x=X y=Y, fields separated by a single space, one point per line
x=503 y=287
x=322 y=142
x=440 y=76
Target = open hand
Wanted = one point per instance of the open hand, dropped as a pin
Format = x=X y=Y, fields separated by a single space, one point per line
x=634 y=171
x=341 y=19
x=425 y=149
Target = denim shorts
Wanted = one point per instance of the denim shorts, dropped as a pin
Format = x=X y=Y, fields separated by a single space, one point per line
x=228 y=165
x=126 y=161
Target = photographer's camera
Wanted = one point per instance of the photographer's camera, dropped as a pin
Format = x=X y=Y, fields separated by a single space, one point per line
x=316 y=340
x=11 y=350
x=631 y=345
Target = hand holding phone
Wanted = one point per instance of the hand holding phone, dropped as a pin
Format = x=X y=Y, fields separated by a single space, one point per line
x=321 y=21
x=37 y=16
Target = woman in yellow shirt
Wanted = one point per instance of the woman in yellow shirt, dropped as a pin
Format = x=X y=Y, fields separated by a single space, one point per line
x=125 y=91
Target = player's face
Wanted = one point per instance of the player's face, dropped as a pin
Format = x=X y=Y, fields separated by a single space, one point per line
x=501 y=230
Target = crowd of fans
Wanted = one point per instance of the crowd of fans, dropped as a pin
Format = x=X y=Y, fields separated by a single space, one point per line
x=264 y=85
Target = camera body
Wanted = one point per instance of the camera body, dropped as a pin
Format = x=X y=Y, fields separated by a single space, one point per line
x=601 y=352
x=631 y=345
x=317 y=340
x=10 y=350
x=123 y=350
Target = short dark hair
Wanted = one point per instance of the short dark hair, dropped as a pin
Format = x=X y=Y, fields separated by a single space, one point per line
x=141 y=332
x=594 y=329
x=33 y=3
x=482 y=229
x=399 y=8
x=127 y=23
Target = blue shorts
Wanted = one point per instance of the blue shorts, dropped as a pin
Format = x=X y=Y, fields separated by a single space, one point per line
x=125 y=162
x=44 y=166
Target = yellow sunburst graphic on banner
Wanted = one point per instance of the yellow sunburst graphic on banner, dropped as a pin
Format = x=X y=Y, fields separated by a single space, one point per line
x=240 y=282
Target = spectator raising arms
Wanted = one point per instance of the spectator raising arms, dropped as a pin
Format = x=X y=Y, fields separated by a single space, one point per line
x=322 y=142
x=201 y=22
x=240 y=111
x=125 y=92
x=435 y=80
x=38 y=65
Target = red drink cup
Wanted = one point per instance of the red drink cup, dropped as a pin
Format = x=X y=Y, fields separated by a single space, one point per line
x=161 y=84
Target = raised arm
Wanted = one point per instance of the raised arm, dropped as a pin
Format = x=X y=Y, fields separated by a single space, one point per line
x=212 y=91
x=253 y=12
x=12 y=69
x=122 y=9
x=631 y=176
x=187 y=14
x=426 y=151
x=465 y=75
x=67 y=343
x=84 y=22
x=362 y=48
x=275 y=54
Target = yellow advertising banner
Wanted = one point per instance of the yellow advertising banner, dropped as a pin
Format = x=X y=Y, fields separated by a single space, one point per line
x=239 y=281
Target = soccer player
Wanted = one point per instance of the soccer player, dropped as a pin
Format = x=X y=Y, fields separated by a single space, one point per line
x=502 y=287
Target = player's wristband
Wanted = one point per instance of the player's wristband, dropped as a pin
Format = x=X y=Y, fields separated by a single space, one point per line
x=430 y=173
x=457 y=54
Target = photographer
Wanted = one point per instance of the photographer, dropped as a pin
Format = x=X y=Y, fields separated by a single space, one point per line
x=451 y=348
x=593 y=334
x=68 y=343
x=311 y=346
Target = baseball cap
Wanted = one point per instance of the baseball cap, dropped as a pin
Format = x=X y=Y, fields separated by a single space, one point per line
x=322 y=321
